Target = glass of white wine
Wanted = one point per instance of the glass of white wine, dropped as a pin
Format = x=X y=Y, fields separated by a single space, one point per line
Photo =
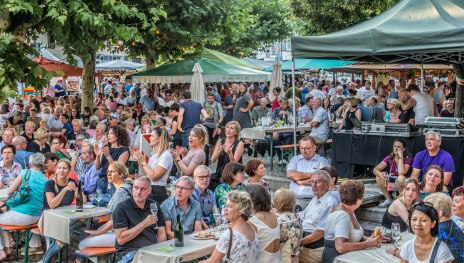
x=396 y=232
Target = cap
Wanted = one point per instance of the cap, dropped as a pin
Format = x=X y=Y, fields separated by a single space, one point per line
x=115 y=115
x=283 y=99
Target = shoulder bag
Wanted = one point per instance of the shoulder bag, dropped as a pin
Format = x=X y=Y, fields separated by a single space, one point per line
x=230 y=245
x=22 y=194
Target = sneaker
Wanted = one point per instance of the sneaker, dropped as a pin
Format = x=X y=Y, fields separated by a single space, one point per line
x=33 y=251
x=281 y=162
x=284 y=162
x=386 y=203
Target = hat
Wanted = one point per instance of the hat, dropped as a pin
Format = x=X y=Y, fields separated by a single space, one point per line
x=283 y=99
x=115 y=115
x=310 y=84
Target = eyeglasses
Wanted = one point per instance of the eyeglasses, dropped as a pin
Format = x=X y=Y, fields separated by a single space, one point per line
x=206 y=177
x=306 y=148
x=182 y=188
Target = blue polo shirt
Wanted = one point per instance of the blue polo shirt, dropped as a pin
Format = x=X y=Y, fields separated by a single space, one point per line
x=206 y=201
x=171 y=208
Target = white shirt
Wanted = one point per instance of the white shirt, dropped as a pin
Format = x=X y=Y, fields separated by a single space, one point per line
x=321 y=131
x=365 y=94
x=165 y=161
x=409 y=254
x=318 y=94
x=315 y=214
x=300 y=164
x=423 y=108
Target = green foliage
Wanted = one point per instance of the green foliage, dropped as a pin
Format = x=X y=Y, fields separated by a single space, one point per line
x=322 y=17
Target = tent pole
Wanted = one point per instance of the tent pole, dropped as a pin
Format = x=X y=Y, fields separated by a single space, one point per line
x=422 y=76
x=295 y=116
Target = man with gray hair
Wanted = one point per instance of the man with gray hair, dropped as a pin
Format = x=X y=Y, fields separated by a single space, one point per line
x=89 y=176
x=320 y=122
x=182 y=204
x=204 y=196
x=77 y=128
x=21 y=156
x=314 y=217
x=433 y=155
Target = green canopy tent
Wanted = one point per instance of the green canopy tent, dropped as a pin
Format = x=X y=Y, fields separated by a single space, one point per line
x=181 y=72
x=260 y=64
x=310 y=64
x=224 y=58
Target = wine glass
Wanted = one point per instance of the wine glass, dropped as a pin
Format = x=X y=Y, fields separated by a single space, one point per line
x=154 y=211
x=98 y=197
x=395 y=232
x=91 y=197
x=217 y=217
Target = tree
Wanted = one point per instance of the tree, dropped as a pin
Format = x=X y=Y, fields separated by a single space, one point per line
x=322 y=17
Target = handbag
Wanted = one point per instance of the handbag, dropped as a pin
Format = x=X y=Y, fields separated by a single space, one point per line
x=22 y=194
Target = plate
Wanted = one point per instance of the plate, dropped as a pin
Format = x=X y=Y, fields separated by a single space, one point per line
x=86 y=206
x=204 y=235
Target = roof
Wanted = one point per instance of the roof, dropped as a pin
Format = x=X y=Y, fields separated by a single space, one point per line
x=311 y=64
x=412 y=31
x=118 y=65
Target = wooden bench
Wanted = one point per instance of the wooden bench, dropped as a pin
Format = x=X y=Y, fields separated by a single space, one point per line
x=18 y=230
x=97 y=252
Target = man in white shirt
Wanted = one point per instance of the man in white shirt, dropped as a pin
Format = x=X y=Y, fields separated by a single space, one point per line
x=315 y=92
x=423 y=106
x=314 y=218
x=366 y=92
x=320 y=122
x=301 y=167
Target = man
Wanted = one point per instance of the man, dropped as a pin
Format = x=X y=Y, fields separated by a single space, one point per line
x=377 y=110
x=134 y=224
x=407 y=103
x=54 y=124
x=301 y=167
x=33 y=117
x=9 y=169
x=214 y=118
x=367 y=91
x=115 y=118
x=21 y=156
x=89 y=177
x=130 y=127
x=59 y=90
x=7 y=136
x=259 y=111
x=190 y=114
x=438 y=94
x=282 y=113
x=365 y=111
x=28 y=133
x=320 y=122
x=167 y=101
x=181 y=203
x=99 y=116
x=77 y=128
x=433 y=155
x=306 y=111
x=315 y=92
x=423 y=104
x=314 y=218
x=204 y=196
x=448 y=111
x=229 y=103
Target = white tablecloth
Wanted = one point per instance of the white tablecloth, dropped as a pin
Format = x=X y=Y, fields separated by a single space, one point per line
x=259 y=133
x=378 y=255
x=55 y=222
x=191 y=250
x=4 y=193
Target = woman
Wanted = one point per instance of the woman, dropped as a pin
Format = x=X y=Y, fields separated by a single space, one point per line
x=343 y=232
x=58 y=147
x=255 y=169
x=227 y=150
x=351 y=112
x=195 y=156
x=396 y=165
x=66 y=129
x=398 y=211
x=291 y=226
x=448 y=231
x=100 y=137
x=118 y=177
x=326 y=104
x=393 y=111
x=242 y=107
x=266 y=224
x=117 y=149
x=99 y=99
x=159 y=165
x=432 y=181
x=423 y=220
x=244 y=246
x=458 y=206
x=59 y=192
x=86 y=117
x=40 y=142
x=27 y=213
x=75 y=114
x=111 y=103
x=231 y=179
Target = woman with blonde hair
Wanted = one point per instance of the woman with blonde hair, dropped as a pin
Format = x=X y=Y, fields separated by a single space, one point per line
x=241 y=235
x=159 y=165
x=291 y=225
x=39 y=144
x=118 y=177
x=432 y=181
x=187 y=161
x=394 y=111
x=351 y=112
x=229 y=149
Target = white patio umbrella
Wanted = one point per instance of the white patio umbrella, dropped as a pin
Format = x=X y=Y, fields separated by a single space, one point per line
x=276 y=80
x=198 y=86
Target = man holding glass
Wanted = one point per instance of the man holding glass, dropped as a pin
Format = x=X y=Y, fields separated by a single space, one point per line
x=182 y=204
x=204 y=196
x=135 y=225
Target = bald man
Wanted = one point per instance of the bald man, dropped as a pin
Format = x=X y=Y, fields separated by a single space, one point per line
x=21 y=156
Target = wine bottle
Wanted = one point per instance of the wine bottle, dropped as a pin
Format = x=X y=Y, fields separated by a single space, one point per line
x=79 y=198
x=178 y=233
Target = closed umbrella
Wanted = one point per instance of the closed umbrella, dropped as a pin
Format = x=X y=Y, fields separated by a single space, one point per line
x=276 y=80
x=198 y=86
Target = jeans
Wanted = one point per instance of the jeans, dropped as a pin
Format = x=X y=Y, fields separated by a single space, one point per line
x=52 y=249
x=128 y=257
x=185 y=137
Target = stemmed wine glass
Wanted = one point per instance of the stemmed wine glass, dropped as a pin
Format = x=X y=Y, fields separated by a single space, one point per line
x=154 y=211
x=91 y=198
x=395 y=232
x=217 y=217
x=98 y=197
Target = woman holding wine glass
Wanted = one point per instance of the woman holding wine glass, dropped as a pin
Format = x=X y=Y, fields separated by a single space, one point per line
x=118 y=177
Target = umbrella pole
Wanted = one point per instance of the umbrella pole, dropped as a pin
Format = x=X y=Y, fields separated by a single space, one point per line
x=295 y=116
x=422 y=76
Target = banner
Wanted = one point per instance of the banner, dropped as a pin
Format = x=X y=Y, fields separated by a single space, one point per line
x=145 y=147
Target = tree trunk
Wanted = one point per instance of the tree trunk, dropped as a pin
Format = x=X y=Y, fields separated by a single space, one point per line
x=150 y=60
x=459 y=105
x=88 y=81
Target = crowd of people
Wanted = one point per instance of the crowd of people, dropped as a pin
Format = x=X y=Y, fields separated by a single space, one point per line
x=53 y=144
